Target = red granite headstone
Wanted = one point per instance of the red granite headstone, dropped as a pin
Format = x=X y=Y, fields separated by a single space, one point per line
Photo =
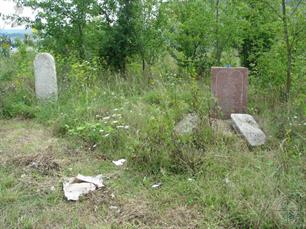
x=230 y=86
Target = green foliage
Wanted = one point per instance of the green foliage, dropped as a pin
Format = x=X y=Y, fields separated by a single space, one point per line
x=5 y=45
x=109 y=116
x=17 y=87
x=201 y=31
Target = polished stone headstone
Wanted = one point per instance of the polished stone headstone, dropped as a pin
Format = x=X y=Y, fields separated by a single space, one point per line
x=230 y=87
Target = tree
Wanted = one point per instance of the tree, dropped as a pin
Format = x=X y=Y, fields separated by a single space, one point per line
x=291 y=16
x=61 y=24
x=5 y=46
x=121 y=33
x=229 y=26
x=260 y=32
x=150 y=30
x=190 y=34
x=203 y=30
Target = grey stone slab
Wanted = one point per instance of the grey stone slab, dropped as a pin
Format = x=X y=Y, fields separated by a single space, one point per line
x=246 y=125
x=45 y=77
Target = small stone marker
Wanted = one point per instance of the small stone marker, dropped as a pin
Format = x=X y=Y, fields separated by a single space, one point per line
x=187 y=125
x=247 y=126
x=230 y=86
x=45 y=77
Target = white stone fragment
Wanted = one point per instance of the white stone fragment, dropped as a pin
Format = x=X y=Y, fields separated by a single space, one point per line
x=45 y=77
x=119 y=162
x=74 y=187
x=97 y=180
x=247 y=126
x=156 y=185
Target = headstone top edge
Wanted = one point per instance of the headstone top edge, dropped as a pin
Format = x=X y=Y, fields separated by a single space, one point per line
x=240 y=114
x=234 y=68
x=44 y=54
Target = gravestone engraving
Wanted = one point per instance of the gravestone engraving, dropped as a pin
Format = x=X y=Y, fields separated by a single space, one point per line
x=45 y=77
x=229 y=87
x=247 y=126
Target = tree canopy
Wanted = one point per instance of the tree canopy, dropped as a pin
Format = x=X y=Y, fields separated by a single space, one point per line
x=196 y=33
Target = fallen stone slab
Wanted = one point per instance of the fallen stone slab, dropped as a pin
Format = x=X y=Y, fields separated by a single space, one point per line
x=246 y=125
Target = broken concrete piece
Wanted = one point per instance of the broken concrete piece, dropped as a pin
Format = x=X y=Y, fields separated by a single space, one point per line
x=247 y=126
x=97 y=180
x=74 y=187
x=119 y=162
x=187 y=125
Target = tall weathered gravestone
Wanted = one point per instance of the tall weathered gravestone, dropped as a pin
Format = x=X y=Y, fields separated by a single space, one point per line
x=45 y=77
x=229 y=87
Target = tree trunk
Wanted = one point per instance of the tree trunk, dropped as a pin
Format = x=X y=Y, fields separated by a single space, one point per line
x=288 y=47
x=81 y=42
x=218 y=48
x=143 y=65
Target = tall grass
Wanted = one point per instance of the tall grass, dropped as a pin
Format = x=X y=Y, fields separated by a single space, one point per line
x=134 y=118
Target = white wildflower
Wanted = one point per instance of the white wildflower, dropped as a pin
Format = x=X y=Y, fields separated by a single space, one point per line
x=106 y=118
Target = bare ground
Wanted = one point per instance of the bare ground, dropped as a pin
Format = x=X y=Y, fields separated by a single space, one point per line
x=33 y=164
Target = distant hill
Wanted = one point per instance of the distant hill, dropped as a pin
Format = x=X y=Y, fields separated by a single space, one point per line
x=15 y=33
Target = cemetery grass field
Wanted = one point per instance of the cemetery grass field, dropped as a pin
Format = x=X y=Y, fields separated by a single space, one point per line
x=209 y=179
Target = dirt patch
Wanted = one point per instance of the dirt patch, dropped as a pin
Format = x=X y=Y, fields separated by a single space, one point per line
x=145 y=214
x=137 y=212
x=181 y=217
x=43 y=163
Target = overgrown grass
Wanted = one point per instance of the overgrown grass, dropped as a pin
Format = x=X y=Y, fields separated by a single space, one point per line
x=216 y=179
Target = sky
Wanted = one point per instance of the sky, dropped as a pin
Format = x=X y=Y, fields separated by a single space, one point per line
x=8 y=7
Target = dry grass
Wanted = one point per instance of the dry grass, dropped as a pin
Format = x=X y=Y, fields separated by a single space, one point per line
x=35 y=162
